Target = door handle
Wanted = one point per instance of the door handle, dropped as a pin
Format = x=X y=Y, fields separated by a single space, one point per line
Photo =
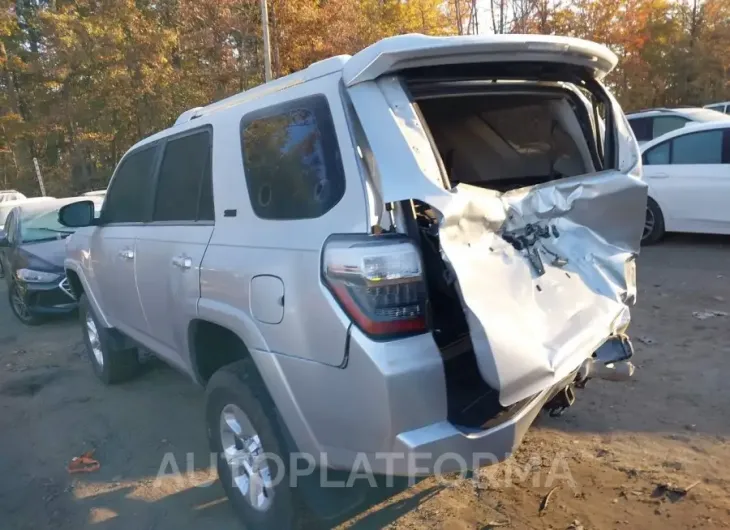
x=126 y=254
x=659 y=176
x=182 y=262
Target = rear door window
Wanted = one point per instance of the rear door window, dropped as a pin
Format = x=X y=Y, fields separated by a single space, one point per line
x=698 y=148
x=130 y=191
x=184 y=179
x=292 y=160
x=664 y=124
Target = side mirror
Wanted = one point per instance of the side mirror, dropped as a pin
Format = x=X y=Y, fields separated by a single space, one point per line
x=77 y=214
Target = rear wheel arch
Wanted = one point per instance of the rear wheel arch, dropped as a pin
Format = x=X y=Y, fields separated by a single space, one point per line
x=213 y=346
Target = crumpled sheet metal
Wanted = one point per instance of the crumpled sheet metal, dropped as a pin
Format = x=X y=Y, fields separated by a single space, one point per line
x=530 y=328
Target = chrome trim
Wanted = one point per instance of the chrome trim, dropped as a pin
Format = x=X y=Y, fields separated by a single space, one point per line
x=65 y=286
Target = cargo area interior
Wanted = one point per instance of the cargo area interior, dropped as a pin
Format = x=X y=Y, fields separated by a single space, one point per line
x=500 y=136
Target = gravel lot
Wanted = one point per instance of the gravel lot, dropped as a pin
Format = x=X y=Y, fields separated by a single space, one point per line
x=619 y=443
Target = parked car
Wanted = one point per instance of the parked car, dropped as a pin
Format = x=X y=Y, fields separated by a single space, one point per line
x=723 y=106
x=96 y=193
x=653 y=123
x=5 y=208
x=688 y=173
x=10 y=195
x=312 y=250
x=32 y=252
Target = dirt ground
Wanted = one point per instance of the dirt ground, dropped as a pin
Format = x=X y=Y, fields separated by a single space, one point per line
x=608 y=455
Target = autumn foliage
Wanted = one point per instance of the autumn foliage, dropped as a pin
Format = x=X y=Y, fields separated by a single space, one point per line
x=83 y=80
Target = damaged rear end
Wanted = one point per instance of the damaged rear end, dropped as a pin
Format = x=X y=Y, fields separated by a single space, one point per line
x=509 y=171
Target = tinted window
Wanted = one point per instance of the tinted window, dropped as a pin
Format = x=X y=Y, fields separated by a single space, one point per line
x=130 y=189
x=657 y=155
x=41 y=225
x=292 y=160
x=641 y=128
x=665 y=124
x=185 y=169
x=698 y=148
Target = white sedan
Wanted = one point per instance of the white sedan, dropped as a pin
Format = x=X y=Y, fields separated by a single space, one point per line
x=688 y=173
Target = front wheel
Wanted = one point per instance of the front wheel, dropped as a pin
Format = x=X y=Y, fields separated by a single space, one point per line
x=653 y=223
x=20 y=307
x=111 y=363
x=242 y=426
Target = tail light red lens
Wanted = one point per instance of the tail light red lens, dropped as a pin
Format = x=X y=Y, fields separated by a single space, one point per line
x=378 y=281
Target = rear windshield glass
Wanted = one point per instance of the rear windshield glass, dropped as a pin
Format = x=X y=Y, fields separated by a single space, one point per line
x=486 y=140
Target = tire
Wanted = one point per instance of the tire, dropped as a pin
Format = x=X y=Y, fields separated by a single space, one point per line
x=111 y=363
x=237 y=388
x=20 y=308
x=654 y=224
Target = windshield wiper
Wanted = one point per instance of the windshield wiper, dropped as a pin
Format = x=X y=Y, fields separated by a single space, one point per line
x=67 y=232
x=43 y=239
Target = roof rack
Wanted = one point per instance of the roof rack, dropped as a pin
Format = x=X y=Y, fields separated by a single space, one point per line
x=318 y=69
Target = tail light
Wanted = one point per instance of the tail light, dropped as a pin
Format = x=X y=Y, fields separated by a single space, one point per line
x=378 y=281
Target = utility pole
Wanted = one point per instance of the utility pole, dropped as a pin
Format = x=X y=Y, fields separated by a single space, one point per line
x=39 y=177
x=267 y=42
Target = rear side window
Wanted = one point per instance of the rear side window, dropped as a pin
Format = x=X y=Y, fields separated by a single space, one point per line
x=292 y=160
x=130 y=191
x=184 y=183
x=641 y=128
x=657 y=155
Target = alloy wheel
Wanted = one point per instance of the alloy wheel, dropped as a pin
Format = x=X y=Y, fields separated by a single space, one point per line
x=649 y=223
x=241 y=449
x=19 y=305
x=94 y=341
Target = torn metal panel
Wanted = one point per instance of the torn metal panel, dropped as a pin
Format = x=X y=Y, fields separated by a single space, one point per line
x=545 y=274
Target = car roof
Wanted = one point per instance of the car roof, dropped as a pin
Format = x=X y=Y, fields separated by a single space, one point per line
x=20 y=202
x=50 y=205
x=690 y=128
x=416 y=50
x=693 y=113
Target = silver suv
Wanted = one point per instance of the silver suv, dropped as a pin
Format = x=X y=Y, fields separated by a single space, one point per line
x=377 y=261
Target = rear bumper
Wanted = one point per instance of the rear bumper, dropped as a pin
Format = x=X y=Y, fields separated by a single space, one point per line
x=445 y=448
x=387 y=405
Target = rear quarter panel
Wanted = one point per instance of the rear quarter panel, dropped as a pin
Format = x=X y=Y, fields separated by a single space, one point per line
x=244 y=246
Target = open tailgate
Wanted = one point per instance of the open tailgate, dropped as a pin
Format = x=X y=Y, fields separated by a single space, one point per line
x=535 y=312
x=414 y=51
